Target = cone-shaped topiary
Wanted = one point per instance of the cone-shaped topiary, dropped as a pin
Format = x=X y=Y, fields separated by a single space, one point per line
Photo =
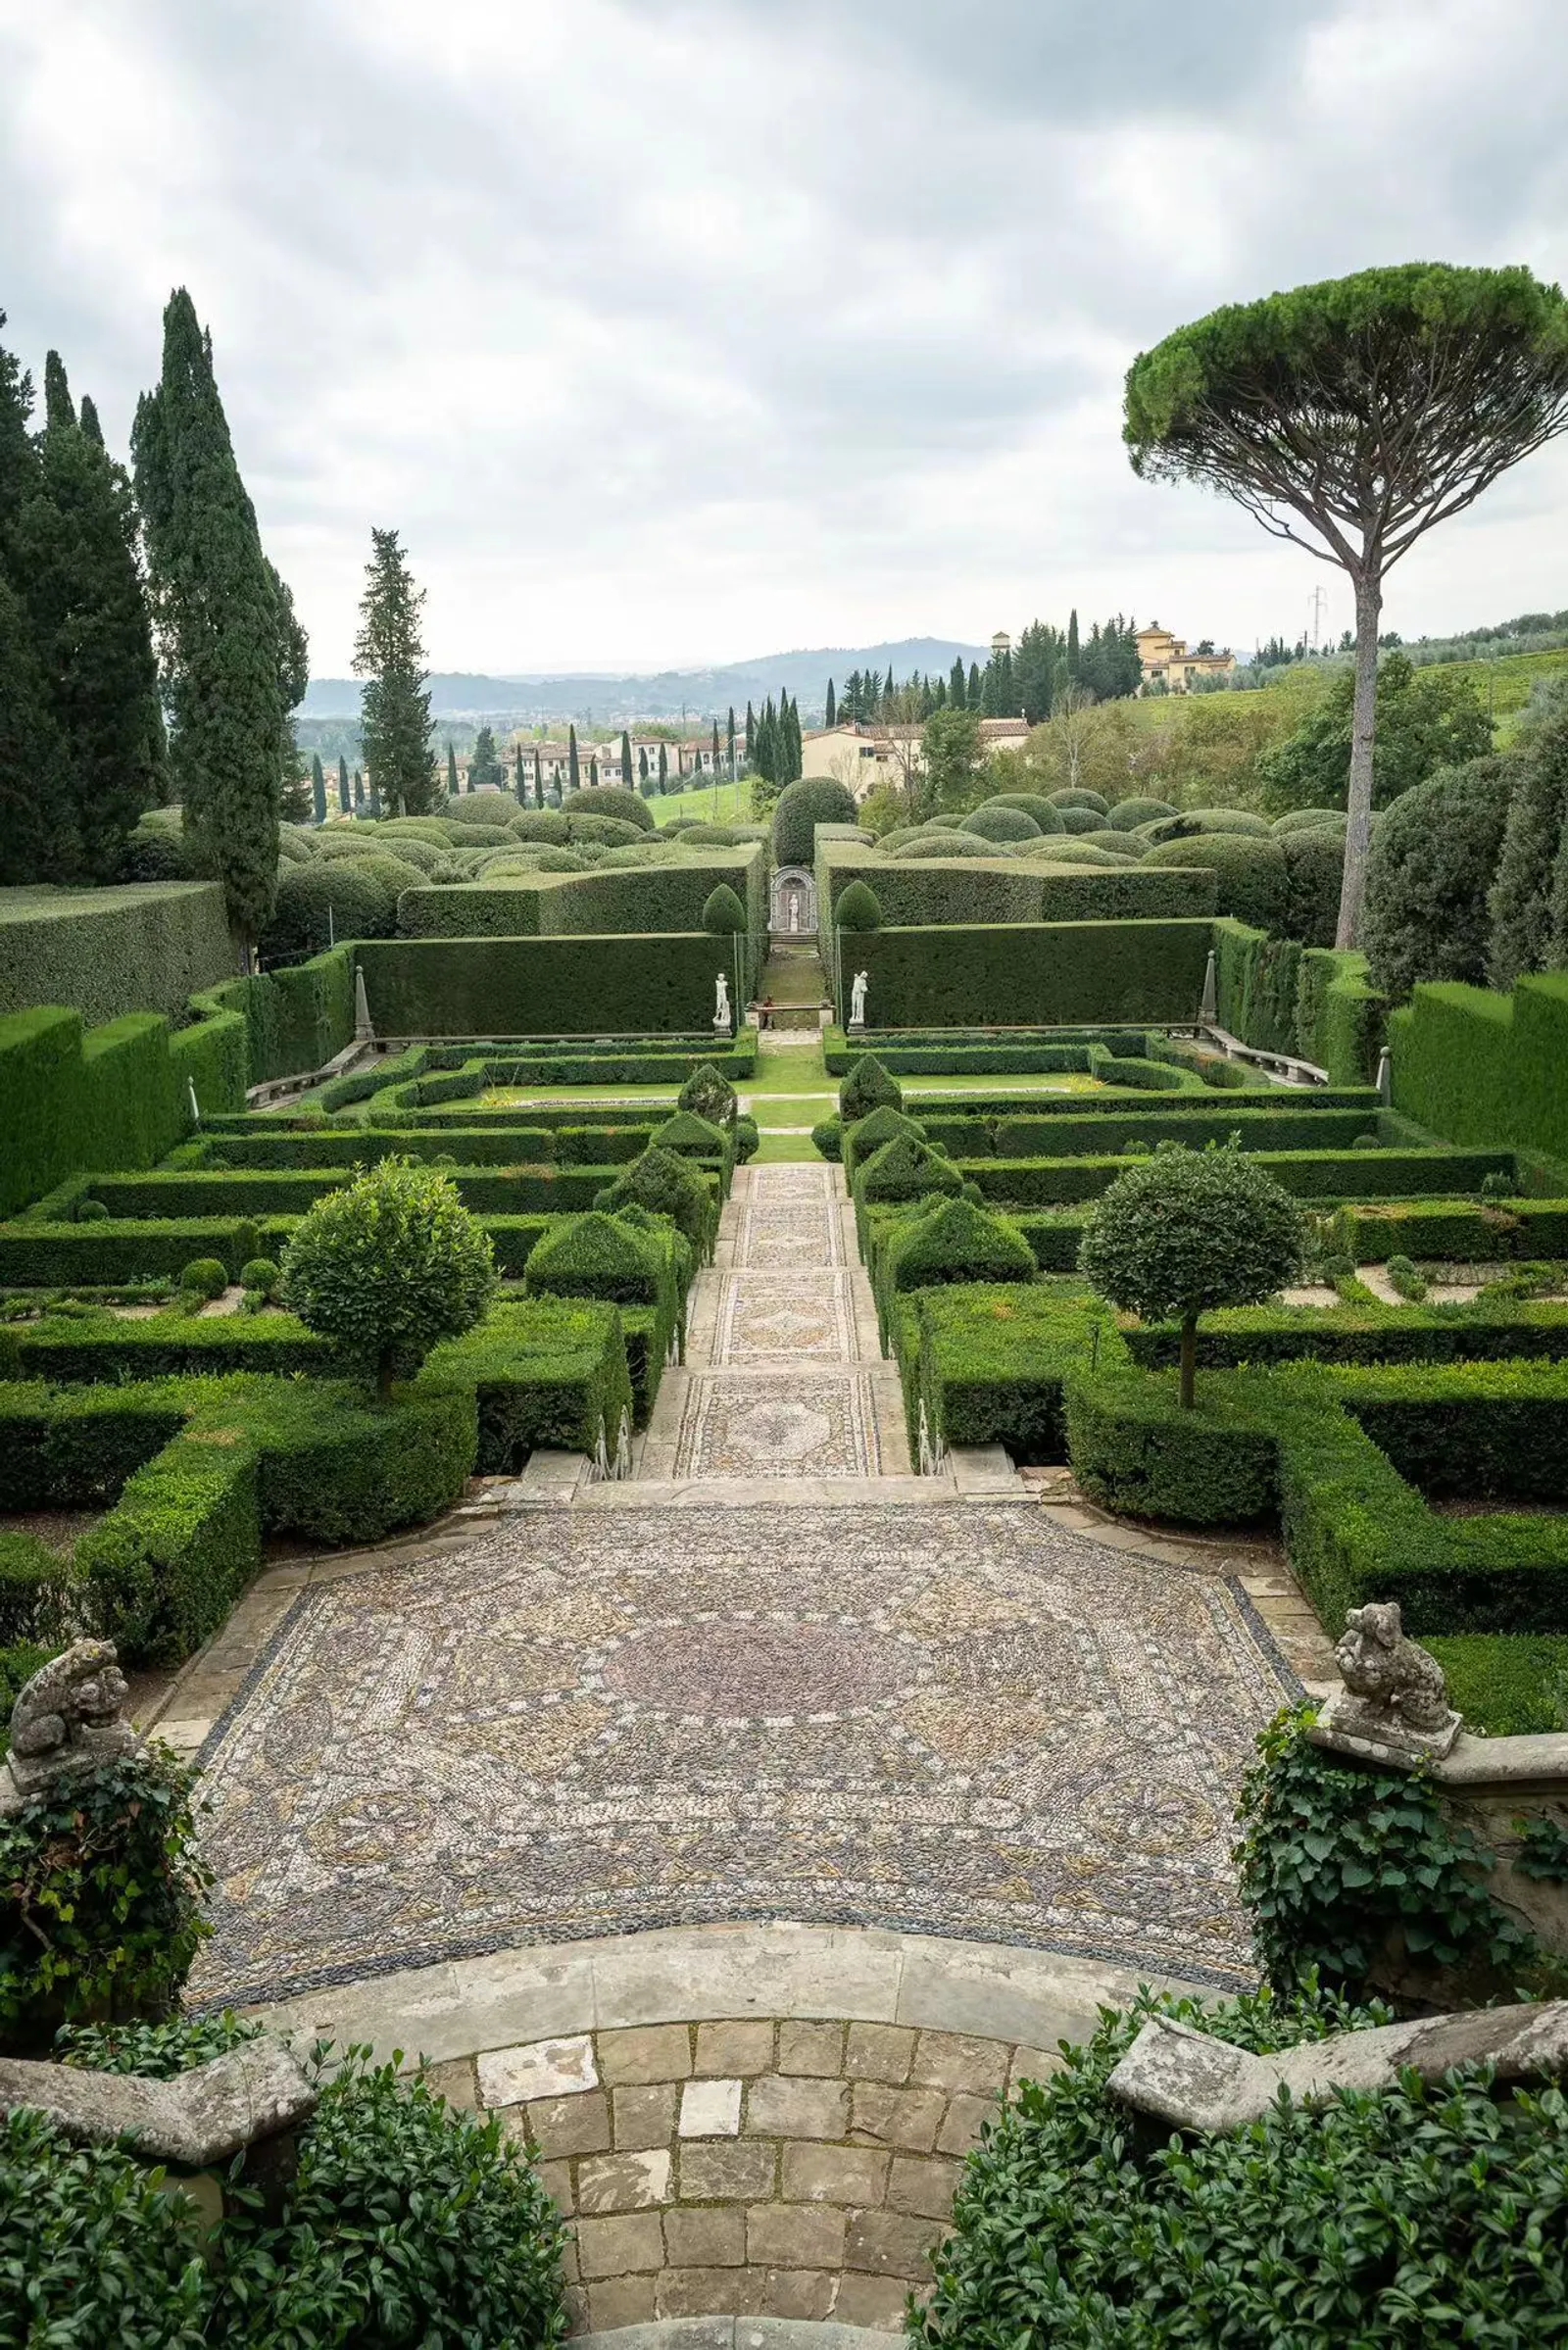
x=594 y=1256
x=866 y=1136
x=691 y=1136
x=907 y=1169
x=709 y=1094
x=859 y=908
x=670 y=1186
x=723 y=914
x=955 y=1241
x=866 y=1087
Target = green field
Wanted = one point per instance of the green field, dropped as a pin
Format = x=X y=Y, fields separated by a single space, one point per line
x=714 y=803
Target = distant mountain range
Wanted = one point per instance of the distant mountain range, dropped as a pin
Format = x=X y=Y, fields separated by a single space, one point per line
x=596 y=698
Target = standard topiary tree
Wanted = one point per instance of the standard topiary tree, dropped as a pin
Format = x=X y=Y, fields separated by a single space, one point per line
x=866 y=1088
x=1434 y=855
x=1187 y=1231
x=802 y=807
x=387 y=1267
x=1350 y=417
x=723 y=913
x=859 y=908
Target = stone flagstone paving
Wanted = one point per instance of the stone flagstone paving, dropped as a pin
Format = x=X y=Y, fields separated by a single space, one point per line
x=959 y=1720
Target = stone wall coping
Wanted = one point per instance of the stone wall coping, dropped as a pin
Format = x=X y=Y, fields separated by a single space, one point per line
x=204 y=2116
x=718 y=1973
x=736 y=2333
x=1540 y=1760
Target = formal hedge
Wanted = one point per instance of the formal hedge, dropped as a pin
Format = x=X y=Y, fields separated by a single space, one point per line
x=547 y=1374
x=1469 y=1063
x=636 y=899
x=988 y=1364
x=557 y=987
x=505 y=1139
x=1340 y=1018
x=968 y=889
x=1028 y=1133
x=96 y=1256
x=1505 y=1684
x=1034 y=975
x=1307 y=1174
x=1258 y=1335
x=296 y=1018
x=143 y=947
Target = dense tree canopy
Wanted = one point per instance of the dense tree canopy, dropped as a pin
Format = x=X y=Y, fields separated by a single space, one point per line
x=389 y=654
x=1434 y=855
x=1426 y=720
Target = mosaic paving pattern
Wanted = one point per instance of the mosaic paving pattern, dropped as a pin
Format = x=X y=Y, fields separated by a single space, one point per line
x=762 y=1317
x=958 y=1721
x=790 y=1219
x=747 y=1425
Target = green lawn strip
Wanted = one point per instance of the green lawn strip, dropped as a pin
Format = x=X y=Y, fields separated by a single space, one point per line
x=777 y=1147
x=795 y=1073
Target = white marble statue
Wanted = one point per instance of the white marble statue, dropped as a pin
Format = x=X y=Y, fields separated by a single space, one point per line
x=857 y=1001
x=722 y=1003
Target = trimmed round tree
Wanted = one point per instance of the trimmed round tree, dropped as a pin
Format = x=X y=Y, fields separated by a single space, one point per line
x=859 y=908
x=389 y=1266
x=802 y=807
x=1350 y=417
x=723 y=913
x=1187 y=1231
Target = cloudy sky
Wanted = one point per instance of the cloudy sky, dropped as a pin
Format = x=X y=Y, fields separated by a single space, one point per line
x=682 y=330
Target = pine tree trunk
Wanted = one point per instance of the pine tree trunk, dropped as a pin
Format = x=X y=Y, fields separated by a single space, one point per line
x=1189 y=1359
x=1363 y=731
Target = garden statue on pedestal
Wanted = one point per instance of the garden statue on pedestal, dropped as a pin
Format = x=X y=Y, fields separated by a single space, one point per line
x=857 y=999
x=722 y=1003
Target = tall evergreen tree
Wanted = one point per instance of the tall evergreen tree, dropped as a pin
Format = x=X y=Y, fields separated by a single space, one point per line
x=734 y=771
x=358 y=787
x=890 y=689
x=454 y=781
x=625 y=760
x=716 y=747
x=664 y=766
x=317 y=788
x=1072 y=644
x=972 y=697
x=958 y=696
x=229 y=641
x=573 y=774
x=485 y=771
x=389 y=653
x=344 y=799
x=1520 y=906
x=642 y=771
x=538 y=780
x=830 y=714
x=74 y=562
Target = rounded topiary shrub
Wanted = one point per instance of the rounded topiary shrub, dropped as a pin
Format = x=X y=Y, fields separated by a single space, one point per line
x=91 y=1211
x=388 y=1267
x=260 y=1275
x=747 y=1139
x=610 y=800
x=859 y=908
x=827 y=1137
x=866 y=1087
x=896 y=835
x=1187 y=1231
x=1073 y=795
x=100 y=1884
x=814 y=800
x=546 y=824
x=994 y=823
x=1310 y=820
x=723 y=913
x=1076 y=851
x=1047 y=818
x=1251 y=873
x=1076 y=819
x=945 y=844
x=204 y=1277
x=1118 y=843
x=586 y=827
x=327 y=901
x=1126 y=814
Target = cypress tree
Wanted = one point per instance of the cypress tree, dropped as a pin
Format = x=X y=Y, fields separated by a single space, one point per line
x=574 y=775
x=373 y=802
x=484 y=767
x=318 y=787
x=1072 y=644
x=972 y=695
x=231 y=644
x=625 y=760
x=359 y=788
x=453 y=783
x=1520 y=906
x=664 y=766
x=593 y=771
x=394 y=707
x=830 y=713
x=538 y=781
x=956 y=694
x=642 y=771
x=76 y=566
x=750 y=737
x=344 y=800
x=733 y=769
x=716 y=745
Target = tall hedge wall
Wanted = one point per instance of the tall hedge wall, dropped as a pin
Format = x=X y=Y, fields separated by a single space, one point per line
x=1047 y=974
x=295 y=1018
x=147 y=947
x=633 y=985
x=984 y=890
x=114 y=1097
x=1477 y=1066
x=1315 y=1003
x=635 y=899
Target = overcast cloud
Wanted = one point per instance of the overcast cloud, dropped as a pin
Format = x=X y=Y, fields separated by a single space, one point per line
x=676 y=330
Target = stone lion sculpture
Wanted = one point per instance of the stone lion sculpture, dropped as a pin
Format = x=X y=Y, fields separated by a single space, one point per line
x=1389 y=1674
x=69 y=1716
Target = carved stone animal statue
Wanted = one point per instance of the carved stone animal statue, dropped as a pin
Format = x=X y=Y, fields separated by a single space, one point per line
x=1390 y=1673
x=69 y=1715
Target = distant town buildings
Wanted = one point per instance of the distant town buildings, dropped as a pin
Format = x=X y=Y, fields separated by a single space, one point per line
x=862 y=755
x=1169 y=667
